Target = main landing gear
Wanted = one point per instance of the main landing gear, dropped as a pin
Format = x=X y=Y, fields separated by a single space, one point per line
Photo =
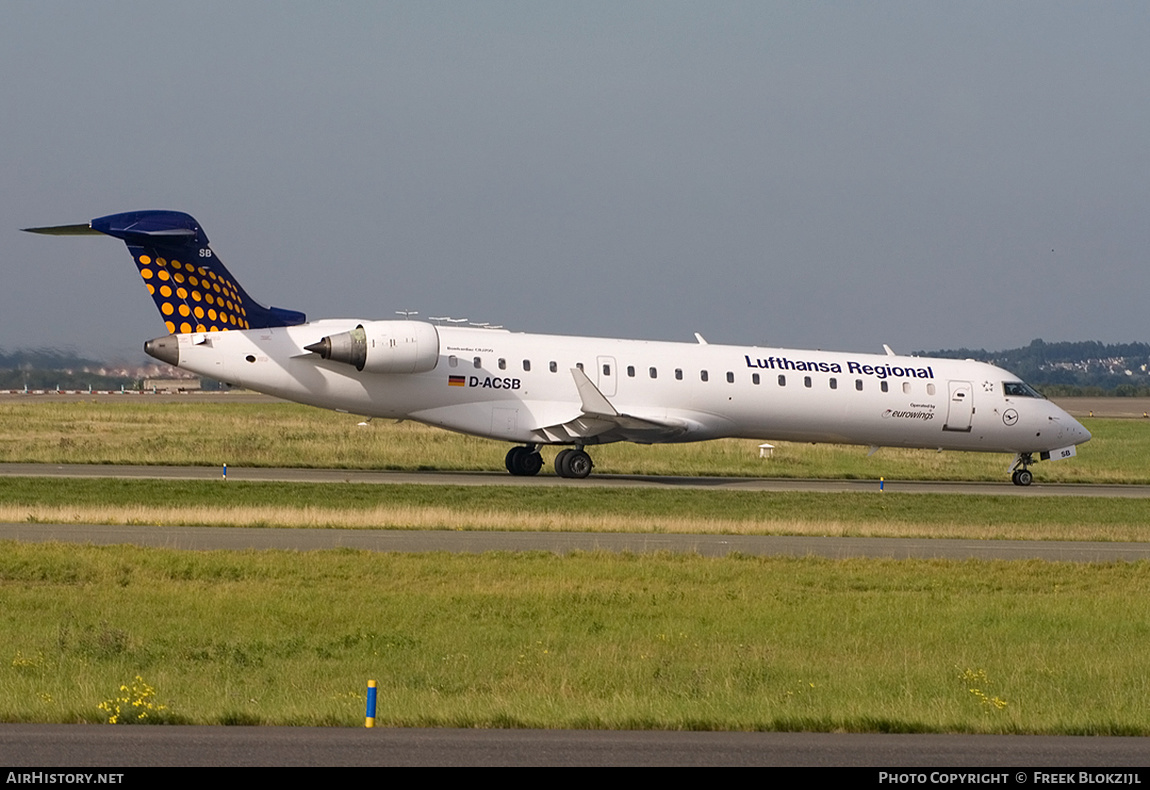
x=573 y=463
x=1022 y=476
x=526 y=461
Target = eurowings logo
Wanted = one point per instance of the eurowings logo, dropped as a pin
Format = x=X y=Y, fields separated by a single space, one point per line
x=908 y=415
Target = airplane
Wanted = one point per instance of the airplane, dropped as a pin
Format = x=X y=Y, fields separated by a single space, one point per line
x=571 y=392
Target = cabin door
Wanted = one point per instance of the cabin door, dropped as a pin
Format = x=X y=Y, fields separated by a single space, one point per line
x=960 y=407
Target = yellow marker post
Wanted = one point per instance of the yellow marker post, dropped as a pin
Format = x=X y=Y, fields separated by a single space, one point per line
x=370 y=718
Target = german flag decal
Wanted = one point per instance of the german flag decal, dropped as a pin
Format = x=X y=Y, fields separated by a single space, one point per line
x=457 y=381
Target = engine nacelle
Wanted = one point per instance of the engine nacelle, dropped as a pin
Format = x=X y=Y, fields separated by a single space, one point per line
x=383 y=347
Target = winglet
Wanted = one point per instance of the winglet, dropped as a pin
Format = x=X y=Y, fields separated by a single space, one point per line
x=701 y=339
x=594 y=401
x=888 y=351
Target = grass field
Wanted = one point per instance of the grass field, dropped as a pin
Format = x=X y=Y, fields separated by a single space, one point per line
x=281 y=434
x=588 y=640
x=537 y=640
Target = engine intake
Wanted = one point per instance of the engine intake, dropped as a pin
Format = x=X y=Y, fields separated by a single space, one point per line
x=383 y=347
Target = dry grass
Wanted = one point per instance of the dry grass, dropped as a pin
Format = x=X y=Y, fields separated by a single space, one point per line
x=281 y=434
x=444 y=518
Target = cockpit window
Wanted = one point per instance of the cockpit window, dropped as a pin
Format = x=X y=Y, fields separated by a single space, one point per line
x=1016 y=389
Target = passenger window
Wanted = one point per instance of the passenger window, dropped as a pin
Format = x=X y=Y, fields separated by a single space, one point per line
x=526 y=365
x=929 y=389
x=631 y=371
x=703 y=375
x=754 y=378
x=606 y=369
x=782 y=380
x=906 y=388
x=678 y=374
x=502 y=364
x=884 y=386
x=478 y=362
x=453 y=361
x=730 y=377
x=806 y=381
x=858 y=385
x=654 y=373
x=552 y=366
x=834 y=384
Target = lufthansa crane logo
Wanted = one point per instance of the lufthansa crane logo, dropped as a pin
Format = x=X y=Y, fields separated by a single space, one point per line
x=1009 y=417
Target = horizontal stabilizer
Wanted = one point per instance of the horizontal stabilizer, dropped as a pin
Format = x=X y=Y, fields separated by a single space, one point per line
x=65 y=230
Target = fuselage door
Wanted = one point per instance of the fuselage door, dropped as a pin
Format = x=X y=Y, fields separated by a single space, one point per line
x=607 y=375
x=960 y=407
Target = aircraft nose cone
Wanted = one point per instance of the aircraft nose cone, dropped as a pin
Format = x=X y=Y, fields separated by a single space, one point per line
x=1083 y=435
x=1073 y=430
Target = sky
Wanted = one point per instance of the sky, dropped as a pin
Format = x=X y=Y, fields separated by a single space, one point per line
x=810 y=175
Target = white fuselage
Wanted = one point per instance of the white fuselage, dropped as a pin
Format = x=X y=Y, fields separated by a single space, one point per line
x=521 y=388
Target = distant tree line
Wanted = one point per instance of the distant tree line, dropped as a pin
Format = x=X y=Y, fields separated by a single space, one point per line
x=1086 y=368
x=49 y=368
x=46 y=359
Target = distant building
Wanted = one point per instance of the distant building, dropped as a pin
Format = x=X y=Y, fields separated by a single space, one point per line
x=172 y=385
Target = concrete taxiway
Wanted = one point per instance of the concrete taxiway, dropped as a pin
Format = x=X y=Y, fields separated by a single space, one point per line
x=286 y=475
x=46 y=745
x=240 y=538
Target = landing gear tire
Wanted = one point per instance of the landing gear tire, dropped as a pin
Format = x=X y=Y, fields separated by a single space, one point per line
x=561 y=461
x=1022 y=477
x=573 y=463
x=523 y=461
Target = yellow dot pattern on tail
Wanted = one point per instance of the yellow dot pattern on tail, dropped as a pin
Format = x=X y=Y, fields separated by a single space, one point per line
x=192 y=298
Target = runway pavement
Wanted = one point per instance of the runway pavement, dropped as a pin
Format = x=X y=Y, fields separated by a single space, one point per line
x=1004 y=488
x=240 y=538
x=47 y=745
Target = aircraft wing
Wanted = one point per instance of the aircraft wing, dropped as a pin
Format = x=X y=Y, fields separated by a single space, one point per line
x=600 y=422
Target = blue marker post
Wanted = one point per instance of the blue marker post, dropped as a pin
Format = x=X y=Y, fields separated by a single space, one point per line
x=881 y=483
x=370 y=721
x=225 y=471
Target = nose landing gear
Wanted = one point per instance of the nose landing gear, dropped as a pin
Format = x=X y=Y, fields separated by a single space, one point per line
x=1022 y=476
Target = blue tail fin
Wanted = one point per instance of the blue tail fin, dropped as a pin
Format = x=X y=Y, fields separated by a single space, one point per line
x=191 y=287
